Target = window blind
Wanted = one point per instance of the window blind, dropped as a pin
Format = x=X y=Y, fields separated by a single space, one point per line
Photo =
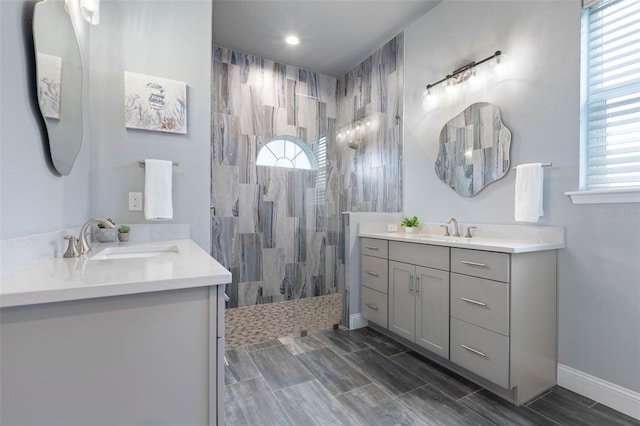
x=613 y=95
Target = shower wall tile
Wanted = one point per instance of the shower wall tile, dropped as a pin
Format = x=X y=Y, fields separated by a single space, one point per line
x=248 y=257
x=223 y=231
x=370 y=177
x=292 y=102
x=294 y=283
x=224 y=191
x=226 y=133
x=246 y=154
x=273 y=272
x=265 y=226
x=247 y=212
x=248 y=293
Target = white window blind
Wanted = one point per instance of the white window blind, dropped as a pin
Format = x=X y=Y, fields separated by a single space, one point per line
x=612 y=121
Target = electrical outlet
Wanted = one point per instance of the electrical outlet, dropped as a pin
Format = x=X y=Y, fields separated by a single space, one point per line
x=135 y=201
x=392 y=228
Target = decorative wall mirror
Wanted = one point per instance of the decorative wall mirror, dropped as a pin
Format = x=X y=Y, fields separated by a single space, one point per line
x=474 y=149
x=59 y=81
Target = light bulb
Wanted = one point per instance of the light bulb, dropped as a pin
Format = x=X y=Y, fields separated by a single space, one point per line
x=90 y=11
x=292 y=40
x=450 y=86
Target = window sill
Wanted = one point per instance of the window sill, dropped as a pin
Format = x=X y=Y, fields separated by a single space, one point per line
x=605 y=196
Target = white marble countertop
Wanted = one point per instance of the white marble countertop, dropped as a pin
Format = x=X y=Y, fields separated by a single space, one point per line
x=508 y=239
x=83 y=277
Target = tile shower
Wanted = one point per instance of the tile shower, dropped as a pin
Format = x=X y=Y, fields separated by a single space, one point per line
x=278 y=230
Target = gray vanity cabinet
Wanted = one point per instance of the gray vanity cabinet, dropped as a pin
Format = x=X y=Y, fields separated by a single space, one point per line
x=419 y=305
x=490 y=316
x=419 y=295
x=503 y=319
x=374 y=287
x=151 y=358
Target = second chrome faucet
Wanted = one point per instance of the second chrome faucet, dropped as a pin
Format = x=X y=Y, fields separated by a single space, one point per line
x=456 y=232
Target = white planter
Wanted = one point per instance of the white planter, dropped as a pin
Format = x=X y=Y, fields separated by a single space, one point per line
x=409 y=230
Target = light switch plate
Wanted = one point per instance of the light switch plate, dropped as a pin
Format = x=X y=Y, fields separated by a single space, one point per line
x=135 y=201
x=392 y=228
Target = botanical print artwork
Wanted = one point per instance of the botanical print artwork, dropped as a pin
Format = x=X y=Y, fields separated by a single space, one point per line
x=154 y=103
x=49 y=78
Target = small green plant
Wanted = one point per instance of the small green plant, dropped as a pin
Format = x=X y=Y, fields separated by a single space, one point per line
x=100 y=225
x=410 y=222
x=124 y=229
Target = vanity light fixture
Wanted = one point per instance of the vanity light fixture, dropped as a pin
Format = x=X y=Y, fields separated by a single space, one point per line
x=463 y=73
x=292 y=40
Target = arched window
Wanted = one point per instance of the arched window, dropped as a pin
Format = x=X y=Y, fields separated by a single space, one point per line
x=287 y=151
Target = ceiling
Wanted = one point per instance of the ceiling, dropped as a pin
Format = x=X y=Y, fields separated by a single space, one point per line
x=336 y=35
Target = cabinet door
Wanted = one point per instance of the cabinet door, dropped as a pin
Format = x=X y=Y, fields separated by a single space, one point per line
x=402 y=299
x=432 y=310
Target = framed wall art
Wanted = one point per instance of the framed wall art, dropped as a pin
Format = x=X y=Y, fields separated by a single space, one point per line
x=155 y=103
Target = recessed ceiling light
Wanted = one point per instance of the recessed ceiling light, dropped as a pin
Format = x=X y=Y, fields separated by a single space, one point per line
x=292 y=40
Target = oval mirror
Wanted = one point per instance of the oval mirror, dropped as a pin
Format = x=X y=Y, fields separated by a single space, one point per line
x=59 y=81
x=474 y=149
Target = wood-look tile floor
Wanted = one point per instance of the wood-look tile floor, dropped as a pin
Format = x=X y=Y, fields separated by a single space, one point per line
x=360 y=377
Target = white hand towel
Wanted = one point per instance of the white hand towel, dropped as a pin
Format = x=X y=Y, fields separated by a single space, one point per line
x=529 y=181
x=157 y=189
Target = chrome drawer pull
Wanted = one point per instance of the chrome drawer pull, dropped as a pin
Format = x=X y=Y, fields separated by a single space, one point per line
x=373 y=274
x=466 y=262
x=372 y=248
x=475 y=351
x=475 y=302
x=410 y=284
x=374 y=307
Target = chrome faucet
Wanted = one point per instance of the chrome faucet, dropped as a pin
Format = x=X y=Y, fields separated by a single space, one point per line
x=456 y=232
x=83 y=242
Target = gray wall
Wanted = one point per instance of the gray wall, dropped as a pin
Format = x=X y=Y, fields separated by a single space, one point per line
x=599 y=291
x=171 y=40
x=33 y=197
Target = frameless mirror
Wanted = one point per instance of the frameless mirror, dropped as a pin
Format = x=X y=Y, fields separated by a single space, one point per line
x=59 y=81
x=474 y=149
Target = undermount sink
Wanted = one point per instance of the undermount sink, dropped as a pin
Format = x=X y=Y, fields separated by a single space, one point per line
x=136 y=252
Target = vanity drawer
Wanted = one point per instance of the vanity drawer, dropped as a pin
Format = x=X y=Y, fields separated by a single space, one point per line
x=374 y=273
x=481 y=302
x=481 y=351
x=483 y=264
x=373 y=306
x=374 y=247
x=436 y=257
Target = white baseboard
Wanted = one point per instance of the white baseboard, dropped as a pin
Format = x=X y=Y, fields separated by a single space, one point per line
x=357 y=321
x=621 y=399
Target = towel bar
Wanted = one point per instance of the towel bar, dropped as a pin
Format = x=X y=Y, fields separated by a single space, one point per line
x=543 y=165
x=141 y=163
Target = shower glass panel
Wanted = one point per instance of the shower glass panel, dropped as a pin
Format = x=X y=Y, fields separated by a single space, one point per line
x=274 y=216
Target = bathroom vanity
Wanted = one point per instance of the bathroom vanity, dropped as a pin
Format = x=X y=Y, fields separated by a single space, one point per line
x=484 y=307
x=128 y=334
